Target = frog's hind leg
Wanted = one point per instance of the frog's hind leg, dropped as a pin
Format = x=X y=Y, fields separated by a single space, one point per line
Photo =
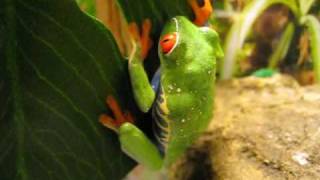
x=137 y=145
x=202 y=10
x=133 y=141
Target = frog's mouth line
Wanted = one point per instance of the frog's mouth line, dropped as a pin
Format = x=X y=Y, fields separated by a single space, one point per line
x=177 y=36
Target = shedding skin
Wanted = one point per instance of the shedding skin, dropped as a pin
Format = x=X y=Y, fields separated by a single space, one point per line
x=142 y=38
x=119 y=116
x=203 y=13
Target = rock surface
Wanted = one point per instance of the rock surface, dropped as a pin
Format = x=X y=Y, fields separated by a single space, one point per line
x=262 y=129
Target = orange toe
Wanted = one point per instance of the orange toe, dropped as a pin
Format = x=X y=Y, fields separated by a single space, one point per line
x=119 y=117
x=202 y=13
x=142 y=38
x=146 y=41
x=108 y=122
x=115 y=108
x=134 y=31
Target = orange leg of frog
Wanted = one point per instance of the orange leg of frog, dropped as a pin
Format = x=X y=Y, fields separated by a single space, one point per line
x=142 y=38
x=202 y=13
x=119 y=116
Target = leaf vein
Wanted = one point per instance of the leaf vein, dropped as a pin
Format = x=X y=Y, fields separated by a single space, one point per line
x=66 y=119
x=54 y=157
x=76 y=40
x=63 y=94
x=44 y=167
x=7 y=150
x=69 y=152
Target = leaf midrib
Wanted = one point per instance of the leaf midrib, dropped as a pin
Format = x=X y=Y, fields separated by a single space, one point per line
x=12 y=68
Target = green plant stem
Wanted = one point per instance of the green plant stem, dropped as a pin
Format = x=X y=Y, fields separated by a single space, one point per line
x=313 y=27
x=241 y=28
x=282 y=48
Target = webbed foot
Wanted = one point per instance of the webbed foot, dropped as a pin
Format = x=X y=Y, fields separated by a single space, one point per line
x=119 y=116
x=202 y=11
x=142 y=38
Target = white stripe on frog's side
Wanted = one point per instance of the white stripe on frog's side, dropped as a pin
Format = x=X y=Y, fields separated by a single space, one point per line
x=177 y=35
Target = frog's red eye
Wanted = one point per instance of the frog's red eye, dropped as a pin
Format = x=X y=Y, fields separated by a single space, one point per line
x=168 y=42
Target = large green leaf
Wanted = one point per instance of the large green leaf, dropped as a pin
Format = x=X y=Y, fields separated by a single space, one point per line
x=56 y=69
x=136 y=11
x=157 y=10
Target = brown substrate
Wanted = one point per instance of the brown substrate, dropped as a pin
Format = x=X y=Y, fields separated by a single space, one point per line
x=263 y=129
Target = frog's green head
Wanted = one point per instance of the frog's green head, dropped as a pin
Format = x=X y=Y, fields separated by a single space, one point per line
x=181 y=41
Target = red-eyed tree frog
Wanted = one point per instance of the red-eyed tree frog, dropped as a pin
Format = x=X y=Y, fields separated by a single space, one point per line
x=181 y=101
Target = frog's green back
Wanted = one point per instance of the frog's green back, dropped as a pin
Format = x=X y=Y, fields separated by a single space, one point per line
x=187 y=82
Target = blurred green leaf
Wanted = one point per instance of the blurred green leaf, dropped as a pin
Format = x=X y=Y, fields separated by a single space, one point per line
x=157 y=10
x=305 y=6
x=241 y=28
x=282 y=48
x=58 y=66
x=313 y=27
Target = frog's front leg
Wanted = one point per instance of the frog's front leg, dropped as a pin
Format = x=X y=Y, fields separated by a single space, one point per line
x=133 y=141
x=142 y=90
